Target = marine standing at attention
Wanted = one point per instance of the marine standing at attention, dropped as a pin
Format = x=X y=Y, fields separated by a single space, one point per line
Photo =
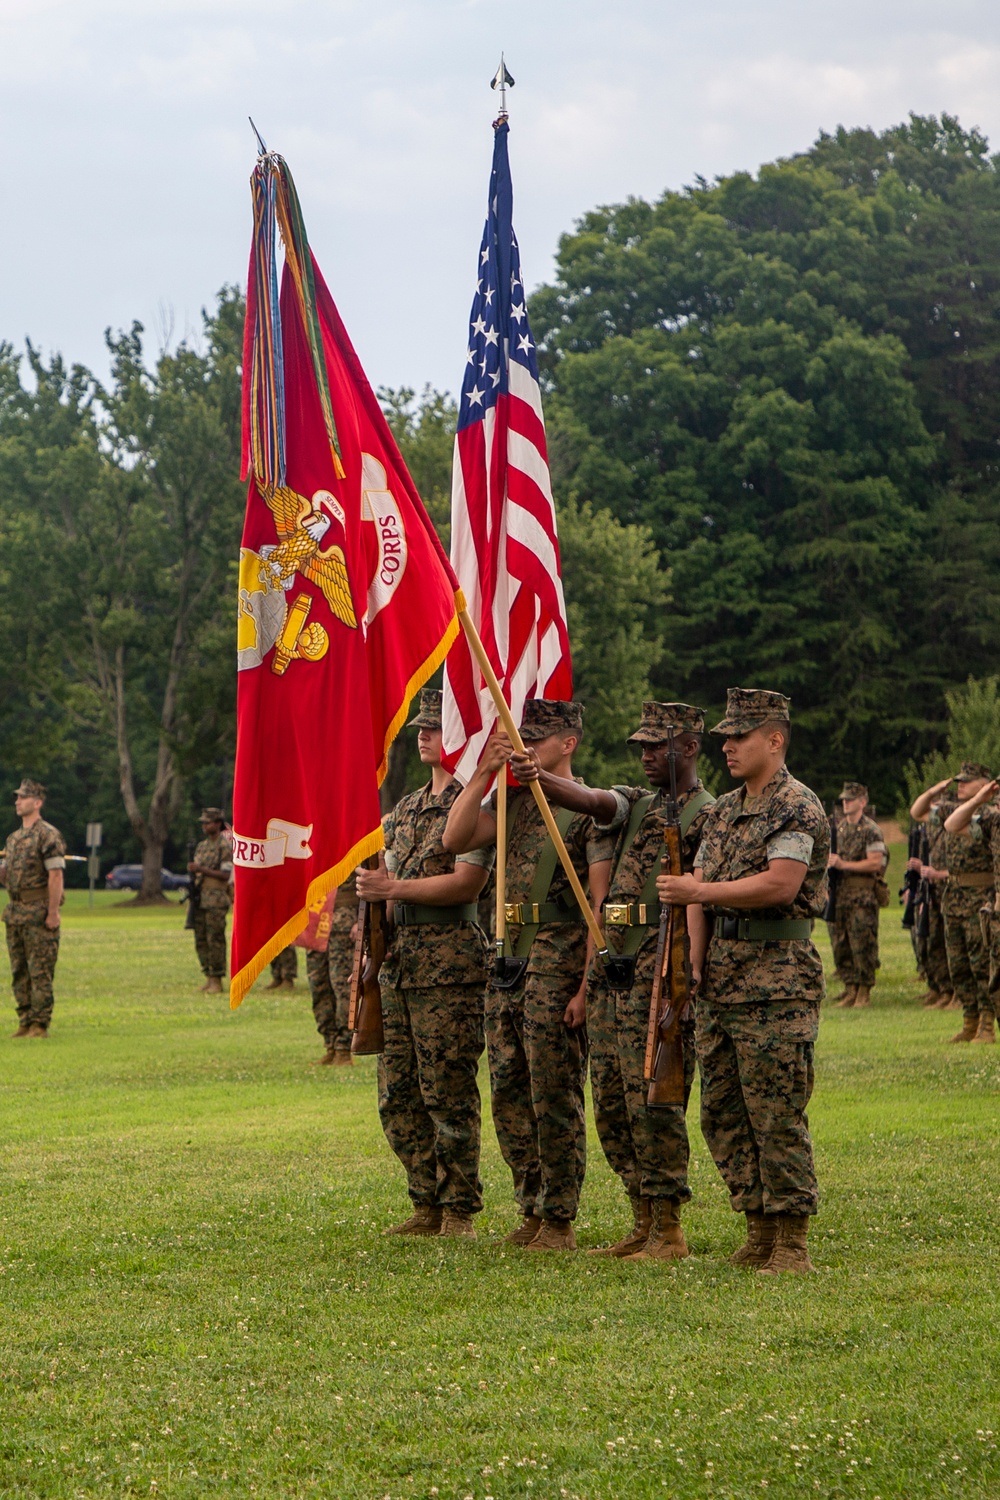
x=33 y=865
x=860 y=859
x=648 y=1148
x=759 y=884
x=433 y=979
x=535 y=1032
x=211 y=871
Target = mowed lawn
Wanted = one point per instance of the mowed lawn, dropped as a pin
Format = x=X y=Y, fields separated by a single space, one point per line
x=196 y=1297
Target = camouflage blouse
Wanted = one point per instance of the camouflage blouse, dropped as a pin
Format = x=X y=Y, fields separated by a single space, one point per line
x=741 y=835
x=632 y=865
x=961 y=853
x=29 y=855
x=427 y=956
x=559 y=947
x=215 y=852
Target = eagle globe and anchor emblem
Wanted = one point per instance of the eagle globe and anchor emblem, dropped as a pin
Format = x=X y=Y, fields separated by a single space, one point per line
x=266 y=619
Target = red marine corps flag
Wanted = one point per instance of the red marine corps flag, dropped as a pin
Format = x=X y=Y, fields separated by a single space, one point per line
x=346 y=601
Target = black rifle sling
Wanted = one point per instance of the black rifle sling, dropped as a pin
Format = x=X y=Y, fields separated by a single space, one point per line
x=634 y=936
x=541 y=881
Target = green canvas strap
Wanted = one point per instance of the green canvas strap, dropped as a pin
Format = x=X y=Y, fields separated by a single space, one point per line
x=411 y=914
x=541 y=881
x=647 y=897
x=749 y=930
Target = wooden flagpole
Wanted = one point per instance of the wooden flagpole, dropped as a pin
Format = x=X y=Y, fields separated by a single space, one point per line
x=501 y=864
x=513 y=733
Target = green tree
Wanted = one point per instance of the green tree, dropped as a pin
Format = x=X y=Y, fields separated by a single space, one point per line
x=973 y=733
x=793 y=380
x=130 y=495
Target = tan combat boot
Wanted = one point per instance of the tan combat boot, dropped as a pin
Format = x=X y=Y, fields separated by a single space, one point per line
x=756 y=1252
x=986 y=1031
x=929 y=999
x=275 y=984
x=213 y=987
x=944 y=1000
x=325 y=1061
x=642 y=1219
x=666 y=1237
x=287 y=986
x=424 y=1220
x=968 y=1032
x=36 y=1030
x=525 y=1231
x=847 y=999
x=456 y=1226
x=554 y=1234
x=22 y=1030
x=954 y=1003
x=862 y=996
x=342 y=1057
x=790 y=1252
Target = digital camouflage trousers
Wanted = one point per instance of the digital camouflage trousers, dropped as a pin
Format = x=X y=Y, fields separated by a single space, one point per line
x=428 y=1093
x=330 y=986
x=931 y=950
x=854 y=938
x=648 y=1148
x=538 y=1067
x=286 y=966
x=33 y=949
x=968 y=958
x=756 y=1065
x=210 y=941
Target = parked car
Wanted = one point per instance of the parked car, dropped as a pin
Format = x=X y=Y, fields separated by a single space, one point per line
x=129 y=878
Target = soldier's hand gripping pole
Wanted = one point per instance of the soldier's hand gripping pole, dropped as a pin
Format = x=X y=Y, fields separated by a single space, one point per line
x=364 y=1015
x=511 y=729
x=664 y=1062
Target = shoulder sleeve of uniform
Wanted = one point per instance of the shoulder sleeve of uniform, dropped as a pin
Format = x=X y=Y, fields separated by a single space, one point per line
x=52 y=849
x=790 y=844
x=625 y=799
x=874 y=841
x=600 y=845
x=482 y=857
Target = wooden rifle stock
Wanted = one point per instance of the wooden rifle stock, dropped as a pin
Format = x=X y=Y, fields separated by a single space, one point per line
x=364 y=1015
x=664 y=1062
x=663 y=1069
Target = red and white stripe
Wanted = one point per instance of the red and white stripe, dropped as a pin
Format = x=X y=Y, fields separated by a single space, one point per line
x=505 y=551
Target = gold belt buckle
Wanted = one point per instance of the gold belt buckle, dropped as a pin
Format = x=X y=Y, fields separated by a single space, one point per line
x=512 y=912
x=617 y=914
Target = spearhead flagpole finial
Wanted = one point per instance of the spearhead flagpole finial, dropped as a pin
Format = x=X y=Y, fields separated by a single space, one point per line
x=261 y=148
x=503 y=81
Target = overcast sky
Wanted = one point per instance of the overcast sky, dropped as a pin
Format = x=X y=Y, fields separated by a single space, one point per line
x=127 y=150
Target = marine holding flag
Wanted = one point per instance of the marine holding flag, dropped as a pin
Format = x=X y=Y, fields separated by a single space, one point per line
x=346 y=600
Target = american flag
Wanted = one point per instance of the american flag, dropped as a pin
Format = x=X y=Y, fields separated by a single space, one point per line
x=504 y=547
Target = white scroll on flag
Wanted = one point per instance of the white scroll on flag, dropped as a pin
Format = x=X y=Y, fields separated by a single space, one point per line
x=504 y=546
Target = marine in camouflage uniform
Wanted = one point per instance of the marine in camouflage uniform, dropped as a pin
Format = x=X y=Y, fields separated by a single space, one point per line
x=432 y=1000
x=854 y=929
x=757 y=1008
x=648 y=1148
x=31 y=855
x=212 y=872
x=284 y=969
x=976 y=821
x=929 y=944
x=538 y=1060
x=329 y=972
x=969 y=887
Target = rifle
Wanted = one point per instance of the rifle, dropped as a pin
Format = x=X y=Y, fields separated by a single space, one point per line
x=924 y=889
x=911 y=880
x=364 y=1016
x=833 y=877
x=194 y=893
x=669 y=1002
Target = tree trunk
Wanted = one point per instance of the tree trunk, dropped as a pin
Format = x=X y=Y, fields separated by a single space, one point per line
x=151 y=891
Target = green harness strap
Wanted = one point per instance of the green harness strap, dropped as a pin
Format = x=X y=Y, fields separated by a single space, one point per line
x=542 y=880
x=635 y=935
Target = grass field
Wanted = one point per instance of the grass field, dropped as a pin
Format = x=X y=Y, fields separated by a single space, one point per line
x=197 y=1299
